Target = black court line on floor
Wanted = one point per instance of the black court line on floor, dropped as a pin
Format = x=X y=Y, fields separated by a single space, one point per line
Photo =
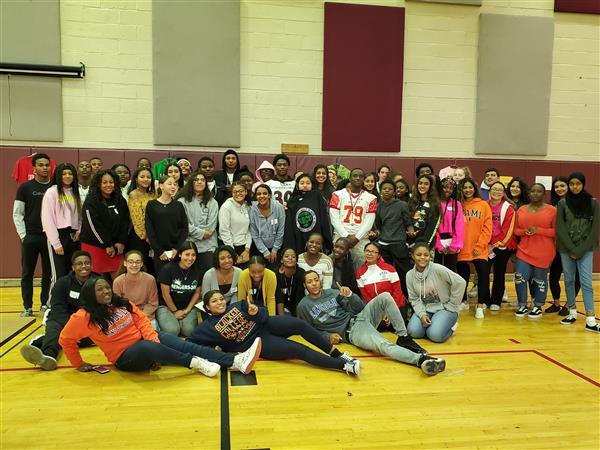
x=225 y=430
x=25 y=337
x=25 y=325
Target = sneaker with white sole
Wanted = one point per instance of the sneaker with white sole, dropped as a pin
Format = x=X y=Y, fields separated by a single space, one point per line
x=27 y=313
x=464 y=306
x=347 y=358
x=479 y=313
x=569 y=320
x=505 y=297
x=494 y=307
x=204 y=366
x=35 y=356
x=454 y=327
x=535 y=313
x=473 y=292
x=431 y=366
x=593 y=328
x=244 y=362
x=522 y=311
x=352 y=367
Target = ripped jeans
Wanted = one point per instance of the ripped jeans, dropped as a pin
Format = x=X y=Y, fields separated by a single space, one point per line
x=525 y=272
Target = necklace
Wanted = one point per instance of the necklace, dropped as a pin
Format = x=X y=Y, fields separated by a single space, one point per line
x=225 y=277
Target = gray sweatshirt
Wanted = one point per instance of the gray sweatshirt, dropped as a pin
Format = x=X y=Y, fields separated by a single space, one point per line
x=201 y=218
x=329 y=313
x=434 y=289
x=234 y=224
x=267 y=232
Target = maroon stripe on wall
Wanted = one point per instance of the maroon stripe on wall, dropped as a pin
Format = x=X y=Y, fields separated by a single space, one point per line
x=362 y=77
x=577 y=6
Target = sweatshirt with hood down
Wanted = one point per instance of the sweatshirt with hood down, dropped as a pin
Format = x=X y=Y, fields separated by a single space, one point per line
x=434 y=289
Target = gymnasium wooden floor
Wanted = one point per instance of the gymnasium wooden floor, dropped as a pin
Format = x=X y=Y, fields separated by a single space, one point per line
x=527 y=384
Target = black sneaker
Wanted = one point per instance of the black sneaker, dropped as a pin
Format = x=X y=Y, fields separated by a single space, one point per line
x=535 y=313
x=408 y=343
x=552 y=309
x=564 y=311
x=522 y=311
x=430 y=365
x=592 y=328
x=569 y=320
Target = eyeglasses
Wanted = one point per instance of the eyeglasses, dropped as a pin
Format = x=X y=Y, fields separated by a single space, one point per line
x=236 y=192
x=373 y=252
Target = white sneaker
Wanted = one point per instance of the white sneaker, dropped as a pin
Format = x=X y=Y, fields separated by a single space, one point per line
x=494 y=307
x=484 y=306
x=505 y=297
x=464 y=306
x=244 y=362
x=346 y=357
x=454 y=327
x=205 y=367
x=353 y=367
x=473 y=292
x=479 y=313
x=35 y=356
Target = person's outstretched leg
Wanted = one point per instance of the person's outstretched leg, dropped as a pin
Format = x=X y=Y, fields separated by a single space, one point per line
x=279 y=348
x=286 y=326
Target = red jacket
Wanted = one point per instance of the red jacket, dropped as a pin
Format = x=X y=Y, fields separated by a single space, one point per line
x=378 y=278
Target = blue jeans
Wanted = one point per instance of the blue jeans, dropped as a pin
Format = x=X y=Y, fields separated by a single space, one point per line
x=169 y=324
x=440 y=329
x=171 y=350
x=584 y=266
x=525 y=272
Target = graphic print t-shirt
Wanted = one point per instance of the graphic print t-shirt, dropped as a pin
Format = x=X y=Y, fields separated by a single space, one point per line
x=182 y=283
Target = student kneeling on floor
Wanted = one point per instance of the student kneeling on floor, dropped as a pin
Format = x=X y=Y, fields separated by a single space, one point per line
x=343 y=316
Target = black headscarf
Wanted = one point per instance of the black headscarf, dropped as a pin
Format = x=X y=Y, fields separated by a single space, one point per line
x=580 y=204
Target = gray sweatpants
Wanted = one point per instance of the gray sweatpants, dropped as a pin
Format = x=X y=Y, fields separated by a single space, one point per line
x=364 y=334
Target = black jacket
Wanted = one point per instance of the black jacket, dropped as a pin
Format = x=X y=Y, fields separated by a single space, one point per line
x=105 y=221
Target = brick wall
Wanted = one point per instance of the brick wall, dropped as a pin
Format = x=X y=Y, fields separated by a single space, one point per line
x=281 y=76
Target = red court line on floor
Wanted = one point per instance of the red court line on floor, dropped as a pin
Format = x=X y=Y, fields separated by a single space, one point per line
x=567 y=368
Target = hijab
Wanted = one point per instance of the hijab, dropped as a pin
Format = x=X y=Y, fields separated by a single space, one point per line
x=580 y=204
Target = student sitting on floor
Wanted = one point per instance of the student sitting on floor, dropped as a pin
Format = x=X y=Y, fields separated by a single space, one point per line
x=435 y=293
x=43 y=350
x=343 y=316
x=234 y=327
x=126 y=337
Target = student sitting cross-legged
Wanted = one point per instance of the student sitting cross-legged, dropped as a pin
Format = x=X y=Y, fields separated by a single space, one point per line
x=343 y=316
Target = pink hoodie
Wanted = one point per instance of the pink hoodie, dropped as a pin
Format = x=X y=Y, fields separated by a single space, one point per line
x=452 y=221
x=57 y=214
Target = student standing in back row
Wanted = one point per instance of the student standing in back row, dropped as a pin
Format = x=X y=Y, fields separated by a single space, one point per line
x=577 y=228
x=26 y=217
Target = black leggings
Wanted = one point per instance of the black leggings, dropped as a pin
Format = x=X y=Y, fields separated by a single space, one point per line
x=499 y=263
x=483 y=279
x=554 y=278
x=275 y=345
x=447 y=260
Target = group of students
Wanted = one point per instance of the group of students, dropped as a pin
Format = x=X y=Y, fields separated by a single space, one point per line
x=260 y=258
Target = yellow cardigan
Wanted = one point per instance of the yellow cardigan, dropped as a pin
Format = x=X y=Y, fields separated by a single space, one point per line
x=269 y=284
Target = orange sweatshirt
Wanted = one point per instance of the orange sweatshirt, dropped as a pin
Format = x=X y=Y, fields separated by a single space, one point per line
x=540 y=248
x=124 y=330
x=478 y=229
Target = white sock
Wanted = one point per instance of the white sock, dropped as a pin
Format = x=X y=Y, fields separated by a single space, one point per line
x=573 y=312
x=590 y=321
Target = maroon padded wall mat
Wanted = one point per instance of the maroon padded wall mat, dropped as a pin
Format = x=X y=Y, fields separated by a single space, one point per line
x=362 y=77
x=577 y=6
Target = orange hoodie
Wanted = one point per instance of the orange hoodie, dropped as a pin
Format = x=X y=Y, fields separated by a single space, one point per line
x=124 y=330
x=478 y=229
